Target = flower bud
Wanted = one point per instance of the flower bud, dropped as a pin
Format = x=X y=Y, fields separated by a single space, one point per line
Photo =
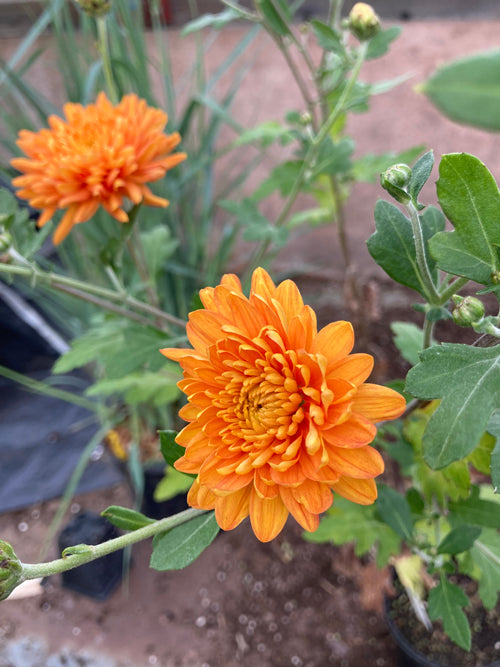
x=95 y=8
x=468 y=312
x=363 y=22
x=395 y=180
x=10 y=570
x=495 y=277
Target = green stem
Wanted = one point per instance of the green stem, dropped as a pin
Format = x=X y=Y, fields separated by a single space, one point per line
x=102 y=45
x=47 y=390
x=428 y=328
x=433 y=297
x=313 y=150
x=83 y=289
x=452 y=289
x=92 y=552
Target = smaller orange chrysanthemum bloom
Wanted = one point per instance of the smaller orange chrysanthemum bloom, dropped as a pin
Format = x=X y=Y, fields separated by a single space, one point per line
x=280 y=414
x=99 y=156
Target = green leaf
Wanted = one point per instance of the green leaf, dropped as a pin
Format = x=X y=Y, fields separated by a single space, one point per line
x=312 y=217
x=328 y=38
x=445 y=602
x=125 y=518
x=467 y=379
x=172 y=484
x=216 y=21
x=347 y=522
x=480 y=457
x=394 y=510
x=392 y=245
x=170 y=450
x=333 y=157
x=486 y=556
x=468 y=90
x=469 y=197
x=159 y=246
x=379 y=44
x=476 y=511
x=182 y=545
x=494 y=428
x=459 y=539
x=420 y=173
x=265 y=135
x=158 y=388
x=409 y=339
x=281 y=178
x=273 y=16
x=26 y=238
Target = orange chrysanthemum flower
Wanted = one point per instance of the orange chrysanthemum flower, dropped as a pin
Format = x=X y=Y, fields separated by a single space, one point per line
x=100 y=155
x=280 y=414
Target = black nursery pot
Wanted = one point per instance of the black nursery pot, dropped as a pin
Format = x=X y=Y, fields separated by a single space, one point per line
x=99 y=578
x=408 y=656
x=158 y=510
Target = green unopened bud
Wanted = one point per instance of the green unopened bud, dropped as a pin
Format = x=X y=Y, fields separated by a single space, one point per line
x=468 y=311
x=395 y=180
x=495 y=277
x=363 y=22
x=95 y=8
x=10 y=570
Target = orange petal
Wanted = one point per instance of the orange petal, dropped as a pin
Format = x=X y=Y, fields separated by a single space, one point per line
x=204 y=329
x=230 y=510
x=263 y=487
x=267 y=516
x=231 y=281
x=65 y=226
x=315 y=496
x=360 y=491
x=355 y=368
x=334 y=341
x=287 y=293
x=307 y=519
x=377 y=403
x=262 y=285
x=356 y=431
x=360 y=463
x=200 y=497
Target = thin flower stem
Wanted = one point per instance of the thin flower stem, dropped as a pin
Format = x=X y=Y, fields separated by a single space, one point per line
x=57 y=281
x=313 y=151
x=433 y=296
x=102 y=36
x=92 y=552
x=452 y=289
x=428 y=329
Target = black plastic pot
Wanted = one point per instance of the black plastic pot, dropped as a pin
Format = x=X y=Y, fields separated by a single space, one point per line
x=158 y=510
x=408 y=656
x=99 y=578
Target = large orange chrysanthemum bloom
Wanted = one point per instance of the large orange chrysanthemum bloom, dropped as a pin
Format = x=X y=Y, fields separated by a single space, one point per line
x=280 y=414
x=100 y=155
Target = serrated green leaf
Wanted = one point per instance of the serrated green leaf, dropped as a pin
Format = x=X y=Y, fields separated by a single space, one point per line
x=281 y=178
x=467 y=379
x=409 y=340
x=347 y=522
x=459 y=539
x=216 y=21
x=379 y=44
x=182 y=545
x=486 y=556
x=476 y=511
x=468 y=90
x=392 y=245
x=393 y=508
x=494 y=428
x=469 y=197
x=420 y=173
x=265 y=135
x=328 y=38
x=125 y=518
x=445 y=602
x=157 y=388
x=333 y=157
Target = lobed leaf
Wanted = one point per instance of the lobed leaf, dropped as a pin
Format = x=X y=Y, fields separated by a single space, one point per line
x=445 y=602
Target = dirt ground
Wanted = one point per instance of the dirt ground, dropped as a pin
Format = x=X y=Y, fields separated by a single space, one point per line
x=241 y=603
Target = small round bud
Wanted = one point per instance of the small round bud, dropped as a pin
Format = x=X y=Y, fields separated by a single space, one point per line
x=305 y=118
x=95 y=8
x=468 y=311
x=495 y=277
x=10 y=570
x=363 y=22
x=395 y=180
